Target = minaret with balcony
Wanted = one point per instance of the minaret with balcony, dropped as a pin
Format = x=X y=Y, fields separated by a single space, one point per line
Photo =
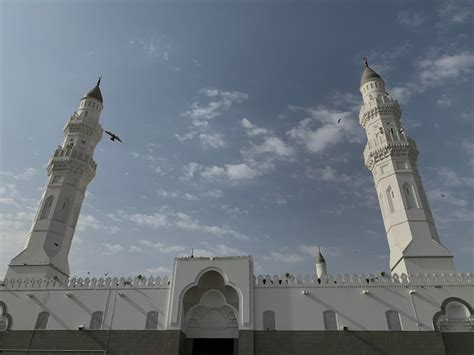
x=391 y=156
x=70 y=170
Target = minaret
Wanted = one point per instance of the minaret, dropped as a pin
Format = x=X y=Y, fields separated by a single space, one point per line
x=321 y=271
x=391 y=156
x=70 y=170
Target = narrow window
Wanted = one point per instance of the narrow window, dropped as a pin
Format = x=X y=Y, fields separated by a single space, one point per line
x=393 y=320
x=151 y=320
x=96 y=320
x=85 y=115
x=47 y=207
x=42 y=320
x=390 y=197
x=330 y=320
x=268 y=320
x=410 y=196
x=63 y=214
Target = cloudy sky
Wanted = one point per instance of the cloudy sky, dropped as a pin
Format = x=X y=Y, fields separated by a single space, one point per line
x=228 y=112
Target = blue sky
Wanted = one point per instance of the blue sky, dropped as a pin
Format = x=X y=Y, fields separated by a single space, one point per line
x=227 y=111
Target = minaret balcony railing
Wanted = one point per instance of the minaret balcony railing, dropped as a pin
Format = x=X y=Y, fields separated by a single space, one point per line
x=76 y=125
x=374 y=109
x=63 y=155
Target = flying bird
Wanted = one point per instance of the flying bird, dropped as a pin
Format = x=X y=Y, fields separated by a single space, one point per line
x=339 y=120
x=443 y=195
x=113 y=136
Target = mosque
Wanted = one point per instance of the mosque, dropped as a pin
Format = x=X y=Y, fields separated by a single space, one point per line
x=216 y=305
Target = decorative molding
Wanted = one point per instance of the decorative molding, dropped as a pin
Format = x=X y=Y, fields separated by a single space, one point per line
x=87 y=283
x=365 y=280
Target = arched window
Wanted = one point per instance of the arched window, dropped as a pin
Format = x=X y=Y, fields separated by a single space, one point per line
x=330 y=320
x=42 y=320
x=393 y=320
x=268 y=320
x=410 y=196
x=47 y=207
x=456 y=315
x=96 y=320
x=151 y=320
x=390 y=198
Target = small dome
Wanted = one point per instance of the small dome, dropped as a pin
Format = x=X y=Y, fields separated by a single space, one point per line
x=368 y=74
x=95 y=92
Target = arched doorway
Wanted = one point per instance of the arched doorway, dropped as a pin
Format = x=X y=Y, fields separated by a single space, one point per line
x=210 y=320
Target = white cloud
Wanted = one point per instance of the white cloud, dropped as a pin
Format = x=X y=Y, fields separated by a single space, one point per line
x=87 y=221
x=219 y=250
x=273 y=145
x=110 y=249
x=155 y=220
x=434 y=71
x=441 y=196
x=186 y=222
x=157 y=46
x=253 y=130
x=287 y=258
x=233 y=172
x=190 y=170
x=444 y=101
x=456 y=11
x=159 y=270
x=451 y=178
x=410 y=19
x=163 y=248
x=223 y=100
x=168 y=219
x=321 y=130
x=212 y=140
x=312 y=250
x=26 y=174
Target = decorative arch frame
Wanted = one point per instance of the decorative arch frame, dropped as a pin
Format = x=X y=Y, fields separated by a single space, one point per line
x=442 y=312
x=6 y=315
x=181 y=314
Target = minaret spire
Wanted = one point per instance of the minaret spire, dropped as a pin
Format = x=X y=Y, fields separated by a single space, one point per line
x=391 y=156
x=70 y=170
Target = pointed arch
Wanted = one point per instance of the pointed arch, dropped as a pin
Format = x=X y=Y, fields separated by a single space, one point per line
x=390 y=199
x=410 y=196
x=47 y=207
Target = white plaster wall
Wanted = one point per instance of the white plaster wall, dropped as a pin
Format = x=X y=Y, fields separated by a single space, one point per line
x=69 y=312
x=358 y=311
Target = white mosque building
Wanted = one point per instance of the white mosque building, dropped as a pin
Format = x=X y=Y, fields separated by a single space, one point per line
x=216 y=305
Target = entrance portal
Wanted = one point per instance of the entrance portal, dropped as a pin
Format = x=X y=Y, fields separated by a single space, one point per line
x=204 y=346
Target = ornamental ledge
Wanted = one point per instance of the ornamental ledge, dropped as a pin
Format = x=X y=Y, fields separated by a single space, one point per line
x=364 y=280
x=87 y=283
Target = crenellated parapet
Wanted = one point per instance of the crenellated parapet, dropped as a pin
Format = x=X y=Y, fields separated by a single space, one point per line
x=364 y=280
x=87 y=283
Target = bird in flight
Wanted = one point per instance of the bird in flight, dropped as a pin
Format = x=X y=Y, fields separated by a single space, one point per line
x=113 y=136
x=443 y=195
x=339 y=120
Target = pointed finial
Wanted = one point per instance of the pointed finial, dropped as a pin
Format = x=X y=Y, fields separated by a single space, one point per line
x=319 y=249
x=366 y=61
x=98 y=81
x=192 y=253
